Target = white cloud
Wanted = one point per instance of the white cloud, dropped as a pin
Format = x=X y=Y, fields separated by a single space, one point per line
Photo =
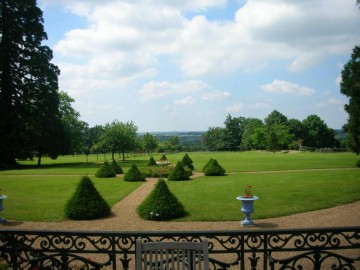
x=330 y=102
x=216 y=95
x=260 y=105
x=235 y=108
x=157 y=90
x=334 y=101
x=284 y=87
x=123 y=34
x=185 y=101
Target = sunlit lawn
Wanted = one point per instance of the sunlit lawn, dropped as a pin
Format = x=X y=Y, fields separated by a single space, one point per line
x=40 y=193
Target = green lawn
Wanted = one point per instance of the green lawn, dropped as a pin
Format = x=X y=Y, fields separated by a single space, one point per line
x=40 y=193
x=281 y=193
x=43 y=198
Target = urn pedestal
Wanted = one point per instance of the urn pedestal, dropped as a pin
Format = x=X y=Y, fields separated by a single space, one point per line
x=2 y=197
x=247 y=207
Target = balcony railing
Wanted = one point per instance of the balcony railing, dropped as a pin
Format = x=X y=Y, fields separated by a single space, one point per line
x=324 y=248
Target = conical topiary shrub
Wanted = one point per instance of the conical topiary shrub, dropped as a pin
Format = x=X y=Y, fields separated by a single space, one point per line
x=134 y=174
x=207 y=165
x=214 y=169
x=86 y=203
x=116 y=167
x=152 y=162
x=161 y=204
x=105 y=171
x=187 y=162
x=163 y=158
x=178 y=173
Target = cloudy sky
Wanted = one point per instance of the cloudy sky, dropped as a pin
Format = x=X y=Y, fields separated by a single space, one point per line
x=185 y=65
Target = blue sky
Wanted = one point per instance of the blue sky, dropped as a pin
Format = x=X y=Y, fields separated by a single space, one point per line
x=185 y=65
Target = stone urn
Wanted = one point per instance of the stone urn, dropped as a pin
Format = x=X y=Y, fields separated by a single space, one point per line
x=2 y=197
x=247 y=207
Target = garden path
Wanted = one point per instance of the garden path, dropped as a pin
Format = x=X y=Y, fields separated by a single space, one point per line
x=125 y=218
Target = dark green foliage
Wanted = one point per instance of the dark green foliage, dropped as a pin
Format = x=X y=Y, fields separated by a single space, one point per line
x=134 y=174
x=358 y=163
x=187 y=162
x=152 y=162
x=86 y=203
x=163 y=158
x=161 y=204
x=116 y=167
x=350 y=87
x=29 y=101
x=178 y=173
x=105 y=171
x=214 y=169
x=207 y=165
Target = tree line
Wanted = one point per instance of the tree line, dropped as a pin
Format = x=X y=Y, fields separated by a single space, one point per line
x=275 y=133
x=36 y=118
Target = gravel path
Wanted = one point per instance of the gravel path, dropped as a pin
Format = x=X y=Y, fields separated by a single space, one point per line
x=124 y=218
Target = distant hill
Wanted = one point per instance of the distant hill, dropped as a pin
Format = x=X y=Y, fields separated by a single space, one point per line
x=185 y=137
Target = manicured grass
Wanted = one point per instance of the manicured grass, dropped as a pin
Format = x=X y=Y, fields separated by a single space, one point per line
x=40 y=193
x=281 y=193
x=43 y=198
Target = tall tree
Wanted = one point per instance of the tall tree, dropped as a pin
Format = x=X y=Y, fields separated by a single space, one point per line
x=233 y=132
x=317 y=133
x=29 y=116
x=213 y=139
x=275 y=117
x=74 y=128
x=119 y=136
x=250 y=125
x=149 y=142
x=350 y=86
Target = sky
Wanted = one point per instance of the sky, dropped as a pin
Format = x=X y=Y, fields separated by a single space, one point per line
x=185 y=65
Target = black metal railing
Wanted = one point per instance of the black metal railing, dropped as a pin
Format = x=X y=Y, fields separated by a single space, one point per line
x=324 y=248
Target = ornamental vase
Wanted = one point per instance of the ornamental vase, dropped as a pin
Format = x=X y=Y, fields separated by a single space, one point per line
x=2 y=197
x=247 y=207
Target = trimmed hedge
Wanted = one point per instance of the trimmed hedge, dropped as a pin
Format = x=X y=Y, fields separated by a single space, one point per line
x=86 y=203
x=116 y=167
x=178 y=173
x=105 y=171
x=161 y=204
x=207 y=165
x=152 y=162
x=214 y=169
x=187 y=162
x=134 y=174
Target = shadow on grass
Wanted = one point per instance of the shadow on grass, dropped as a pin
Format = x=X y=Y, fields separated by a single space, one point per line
x=74 y=165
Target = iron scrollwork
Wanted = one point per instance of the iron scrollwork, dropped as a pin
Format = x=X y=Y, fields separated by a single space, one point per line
x=335 y=248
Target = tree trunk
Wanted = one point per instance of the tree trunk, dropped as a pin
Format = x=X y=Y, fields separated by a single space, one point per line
x=39 y=159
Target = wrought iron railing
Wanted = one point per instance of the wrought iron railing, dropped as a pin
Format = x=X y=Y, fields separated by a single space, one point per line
x=324 y=248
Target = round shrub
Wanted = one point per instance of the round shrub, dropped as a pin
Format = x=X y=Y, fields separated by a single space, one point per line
x=134 y=174
x=161 y=204
x=116 y=167
x=207 y=165
x=105 y=171
x=214 y=169
x=178 y=173
x=86 y=203
x=187 y=162
x=152 y=162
